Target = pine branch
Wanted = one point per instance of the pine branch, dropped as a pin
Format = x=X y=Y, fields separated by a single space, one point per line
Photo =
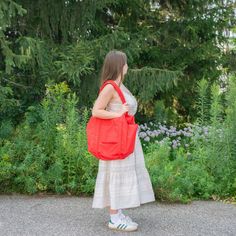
x=17 y=84
x=147 y=82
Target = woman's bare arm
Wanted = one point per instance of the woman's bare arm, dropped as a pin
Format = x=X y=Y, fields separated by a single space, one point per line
x=100 y=104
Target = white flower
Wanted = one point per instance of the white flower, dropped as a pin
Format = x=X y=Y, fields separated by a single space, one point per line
x=147 y=139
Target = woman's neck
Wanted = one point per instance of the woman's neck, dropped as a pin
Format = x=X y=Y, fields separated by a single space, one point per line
x=118 y=82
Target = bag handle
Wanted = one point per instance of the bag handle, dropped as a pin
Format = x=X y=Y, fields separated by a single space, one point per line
x=117 y=88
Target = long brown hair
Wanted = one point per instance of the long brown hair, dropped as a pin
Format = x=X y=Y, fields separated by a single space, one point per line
x=113 y=66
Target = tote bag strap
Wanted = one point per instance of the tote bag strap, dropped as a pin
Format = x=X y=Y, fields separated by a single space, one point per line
x=117 y=88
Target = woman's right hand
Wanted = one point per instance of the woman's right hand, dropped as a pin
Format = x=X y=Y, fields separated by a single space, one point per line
x=124 y=108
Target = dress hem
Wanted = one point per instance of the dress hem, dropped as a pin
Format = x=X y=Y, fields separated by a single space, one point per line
x=125 y=207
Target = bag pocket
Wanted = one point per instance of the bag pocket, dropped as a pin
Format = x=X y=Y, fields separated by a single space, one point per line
x=109 y=148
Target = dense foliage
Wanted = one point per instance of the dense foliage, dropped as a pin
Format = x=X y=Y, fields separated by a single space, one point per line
x=170 y=45
x=48 y=151
x=180 y=60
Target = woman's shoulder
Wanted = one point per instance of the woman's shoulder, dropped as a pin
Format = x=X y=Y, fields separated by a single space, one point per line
x=108 y=88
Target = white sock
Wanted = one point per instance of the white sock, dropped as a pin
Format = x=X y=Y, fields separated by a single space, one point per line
x=115 y=217
x=120 y=212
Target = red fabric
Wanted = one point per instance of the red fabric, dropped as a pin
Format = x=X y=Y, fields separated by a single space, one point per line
x=111 y=139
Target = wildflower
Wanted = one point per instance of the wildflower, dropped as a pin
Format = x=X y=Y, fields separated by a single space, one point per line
x=178 y=132
x=174 y=141
x=149 y=132
x=142 y=134
x=60 y=127
x=147 y=139
x=174 y=146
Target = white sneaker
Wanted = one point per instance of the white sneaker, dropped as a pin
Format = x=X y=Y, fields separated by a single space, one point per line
x=129 y=220
x=122 y=224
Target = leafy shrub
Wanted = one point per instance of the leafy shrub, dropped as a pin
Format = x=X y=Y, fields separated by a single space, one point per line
x=48 y=151
x=205 y=166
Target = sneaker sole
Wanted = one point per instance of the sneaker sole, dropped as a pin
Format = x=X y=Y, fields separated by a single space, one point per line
x=127 y=230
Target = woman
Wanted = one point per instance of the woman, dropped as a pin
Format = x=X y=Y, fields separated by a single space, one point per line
x=122 y=183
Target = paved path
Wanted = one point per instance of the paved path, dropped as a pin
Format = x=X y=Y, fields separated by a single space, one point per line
x=59 y=215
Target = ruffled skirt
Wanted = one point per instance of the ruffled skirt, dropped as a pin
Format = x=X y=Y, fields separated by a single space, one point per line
x=123 y=183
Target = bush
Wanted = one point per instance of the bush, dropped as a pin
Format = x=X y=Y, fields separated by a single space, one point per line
x=178 y=180
x=48 y=151
x=206 y=166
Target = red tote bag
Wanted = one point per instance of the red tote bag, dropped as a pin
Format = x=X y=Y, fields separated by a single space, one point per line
x=111 y=139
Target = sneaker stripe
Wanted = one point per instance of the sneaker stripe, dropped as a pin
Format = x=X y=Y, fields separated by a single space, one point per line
x=118 y=226
x=124 y=226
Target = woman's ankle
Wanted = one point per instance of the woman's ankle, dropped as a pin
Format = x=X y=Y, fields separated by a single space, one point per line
x=113 y=211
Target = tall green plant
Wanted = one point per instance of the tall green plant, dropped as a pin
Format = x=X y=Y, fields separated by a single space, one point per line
x=216 y=108
x=203 y=103
x=216 y=152
x=230 y=121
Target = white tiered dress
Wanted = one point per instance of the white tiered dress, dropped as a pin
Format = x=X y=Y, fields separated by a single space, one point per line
x=123 y=183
